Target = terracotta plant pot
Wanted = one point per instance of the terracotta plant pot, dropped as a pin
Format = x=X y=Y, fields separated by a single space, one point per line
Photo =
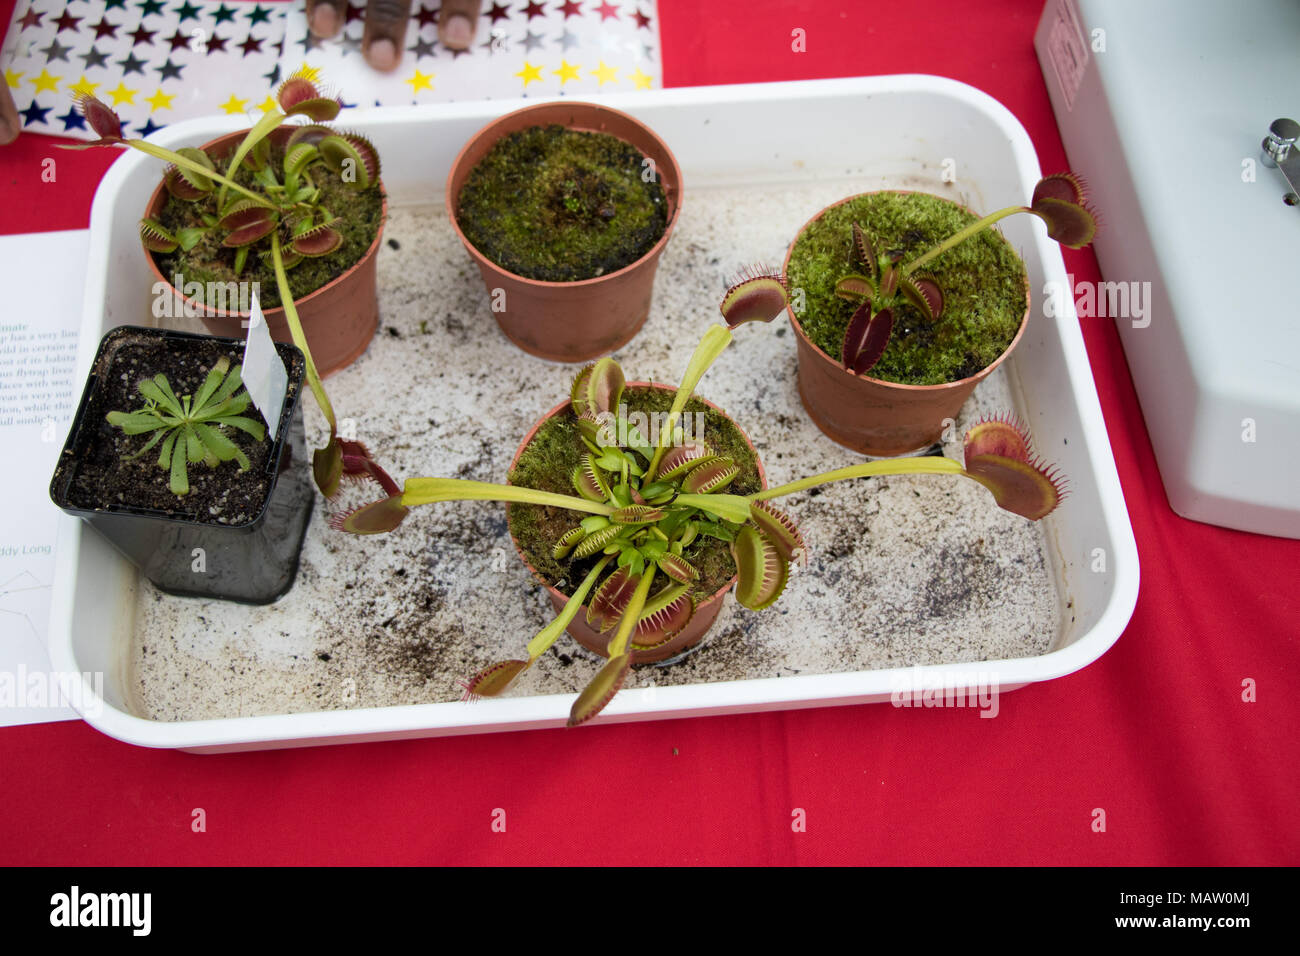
x=339 y=319
x=571 y=321
x=596 y=642
x=869 y=415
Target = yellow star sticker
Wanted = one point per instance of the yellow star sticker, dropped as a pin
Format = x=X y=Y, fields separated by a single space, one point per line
x=566 y=72
x=123 y=95
x=606 y=74
x=641 y=80
x=234 y=105
x=530 y=74
x=160 y=101
x=12 y=77
x=46 y=81
x=267 y=104
x=309 y=72
x=84 y=85
x=420 y=81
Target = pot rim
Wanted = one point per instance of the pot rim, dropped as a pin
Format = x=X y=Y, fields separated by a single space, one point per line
x=821 y=356
x=59 y=495
x=673 y=196
x=532 y=432
x=370 y=252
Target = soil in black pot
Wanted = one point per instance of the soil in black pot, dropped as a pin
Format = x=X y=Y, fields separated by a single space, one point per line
x=359 y=212
x=548 y=461
x=235 y=535
x=561 y=205
x=106 y=476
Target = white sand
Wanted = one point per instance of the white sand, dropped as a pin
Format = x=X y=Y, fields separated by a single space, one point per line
x=902 y=571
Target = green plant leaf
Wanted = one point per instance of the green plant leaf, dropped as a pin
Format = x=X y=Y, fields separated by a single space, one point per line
x=597 y=694
x=221 y=446
x=567 y=542
x=189 y=237
x=733 y=508
x=214 y=378
x=597 y=541
x=421 y=491
x=156 y=238
x=159 y=390
x=135 y=423
x=196 y=179
x=711 y=345
x=179 y=481
x=249 y=426
x=761 y=571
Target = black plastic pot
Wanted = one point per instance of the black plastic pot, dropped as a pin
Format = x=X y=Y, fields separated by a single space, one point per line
x=254 y=562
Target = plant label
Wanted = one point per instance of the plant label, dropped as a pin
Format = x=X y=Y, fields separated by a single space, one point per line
x=264 y=373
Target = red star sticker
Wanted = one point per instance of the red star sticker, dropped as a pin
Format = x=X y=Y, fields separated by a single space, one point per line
x=607 y=11
x=570 y=8
x=66 y=22
x=179 y=41
x=641 y=19
x=105 y=29
x=354 y=14
x=428 y=17
x=534 y=10
x=33 y=19
x=141 y=35
x=498 y=12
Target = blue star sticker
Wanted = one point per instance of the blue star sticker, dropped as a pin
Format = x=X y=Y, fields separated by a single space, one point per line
x=72 y=120
x=34 y=113
x=188 y=11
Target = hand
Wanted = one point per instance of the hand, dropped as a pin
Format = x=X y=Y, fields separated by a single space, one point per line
x=385 y=35
x=9 y=122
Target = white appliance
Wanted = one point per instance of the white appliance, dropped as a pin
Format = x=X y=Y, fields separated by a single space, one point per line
x=1163 y=106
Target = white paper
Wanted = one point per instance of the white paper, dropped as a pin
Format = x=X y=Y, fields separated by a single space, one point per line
x=38 y=395
x=263 y=372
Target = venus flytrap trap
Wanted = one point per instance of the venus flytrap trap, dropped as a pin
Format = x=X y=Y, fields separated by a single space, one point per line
x=642 y=510
x=191 y=427
x=279 y=216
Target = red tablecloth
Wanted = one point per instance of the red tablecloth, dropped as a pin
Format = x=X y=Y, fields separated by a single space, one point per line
x=1155 y=733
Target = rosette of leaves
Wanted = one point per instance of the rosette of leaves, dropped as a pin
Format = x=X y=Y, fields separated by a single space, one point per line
x=279 y=216
x=882 y=283
x=191 y=427
x=640 y=506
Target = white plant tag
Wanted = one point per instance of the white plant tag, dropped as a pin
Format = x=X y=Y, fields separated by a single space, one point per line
x=264 y=373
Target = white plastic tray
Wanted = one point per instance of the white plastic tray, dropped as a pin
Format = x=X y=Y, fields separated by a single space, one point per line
x=763 y=134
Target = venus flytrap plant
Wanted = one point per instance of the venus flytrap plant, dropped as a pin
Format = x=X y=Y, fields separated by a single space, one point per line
x=884 y=283
x=648 y=506
x=280 y=217
x=190 y=427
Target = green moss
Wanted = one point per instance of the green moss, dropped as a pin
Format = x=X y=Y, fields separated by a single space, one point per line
x=359 y=210
x=982 y=278
x=550 y=458
x=561 y=205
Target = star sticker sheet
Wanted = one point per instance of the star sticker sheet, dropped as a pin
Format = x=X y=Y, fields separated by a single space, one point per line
x=160 y=61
